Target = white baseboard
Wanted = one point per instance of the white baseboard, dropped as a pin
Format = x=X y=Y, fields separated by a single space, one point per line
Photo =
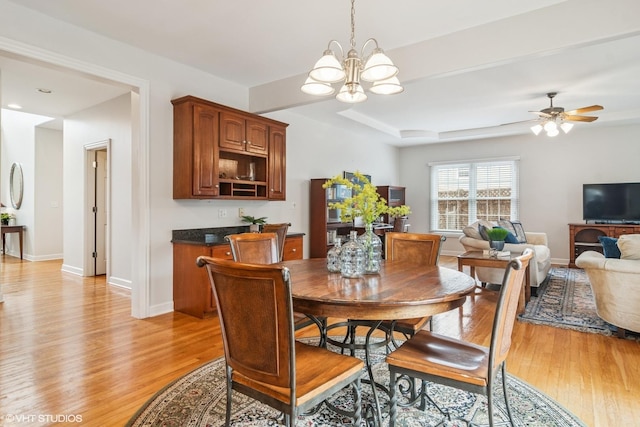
x=120 y=283
x=156 y=310
x=73 y=270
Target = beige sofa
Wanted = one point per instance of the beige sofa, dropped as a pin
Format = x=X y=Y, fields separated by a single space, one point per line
x=539 y=265
x=616 y=283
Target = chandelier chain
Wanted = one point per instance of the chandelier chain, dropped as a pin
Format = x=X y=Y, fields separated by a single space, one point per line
x=353 y=24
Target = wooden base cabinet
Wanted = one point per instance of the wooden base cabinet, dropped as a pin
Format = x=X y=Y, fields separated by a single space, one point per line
x=584 y=237
x=192 y=292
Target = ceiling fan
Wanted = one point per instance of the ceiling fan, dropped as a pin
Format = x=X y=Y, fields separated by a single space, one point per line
x=553 y=117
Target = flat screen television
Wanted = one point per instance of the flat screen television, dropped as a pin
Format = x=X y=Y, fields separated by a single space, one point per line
x=611 y=203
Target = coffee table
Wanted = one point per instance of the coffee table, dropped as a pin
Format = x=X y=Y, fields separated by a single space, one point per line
x=475 y=259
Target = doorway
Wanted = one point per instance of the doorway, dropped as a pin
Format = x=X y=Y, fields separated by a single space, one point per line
x=97 y=178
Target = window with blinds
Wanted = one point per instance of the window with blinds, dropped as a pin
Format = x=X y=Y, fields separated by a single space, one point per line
x=462 y=193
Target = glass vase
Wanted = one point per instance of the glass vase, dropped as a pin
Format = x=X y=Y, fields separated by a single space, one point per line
x=333 y=256
x=352 y=257
x=372 y=245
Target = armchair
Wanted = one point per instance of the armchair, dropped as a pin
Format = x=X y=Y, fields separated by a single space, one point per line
x=616 y=288
x=538 y=267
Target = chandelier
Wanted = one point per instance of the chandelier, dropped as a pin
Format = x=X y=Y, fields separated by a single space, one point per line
x=378 y=70
x=551 y=125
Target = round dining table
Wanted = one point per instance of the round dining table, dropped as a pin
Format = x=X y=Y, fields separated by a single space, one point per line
x=401 y=290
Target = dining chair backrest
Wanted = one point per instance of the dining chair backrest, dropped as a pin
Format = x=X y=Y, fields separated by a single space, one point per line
x=418 y=248
x=263 y=359
x=261 y=293
x=281 y=232
x=254 y=248
x=507 y=308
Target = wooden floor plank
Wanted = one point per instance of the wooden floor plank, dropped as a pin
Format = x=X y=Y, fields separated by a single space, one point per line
x=68 y=345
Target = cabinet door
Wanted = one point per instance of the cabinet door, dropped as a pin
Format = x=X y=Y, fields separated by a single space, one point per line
x=232 y=131
x=277 y=163
x=205 y=151
x=191 y=287
x=257 y=134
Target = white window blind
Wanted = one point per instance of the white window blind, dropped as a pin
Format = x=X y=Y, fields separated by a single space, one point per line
x=462 y=193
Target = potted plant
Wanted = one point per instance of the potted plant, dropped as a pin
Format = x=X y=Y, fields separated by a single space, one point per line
x=399 y=215
x=254 y=223
x=496 y=237
x=5 y=217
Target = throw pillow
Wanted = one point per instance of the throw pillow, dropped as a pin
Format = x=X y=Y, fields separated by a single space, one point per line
x=516 y=228
x=473 y=232
x=511 y=238
x=483 y=232
x=609 y=246
x=629 y=245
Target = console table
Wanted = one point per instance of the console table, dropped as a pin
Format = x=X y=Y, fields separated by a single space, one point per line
x=12 y=229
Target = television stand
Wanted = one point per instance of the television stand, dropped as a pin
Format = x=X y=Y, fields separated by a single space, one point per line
x=584 y=237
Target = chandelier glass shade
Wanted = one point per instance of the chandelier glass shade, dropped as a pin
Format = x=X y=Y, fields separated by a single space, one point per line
x=375 y=68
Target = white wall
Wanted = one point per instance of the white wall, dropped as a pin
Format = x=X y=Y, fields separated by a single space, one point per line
x=47 y=192
x=552 y=171
x=19 y=146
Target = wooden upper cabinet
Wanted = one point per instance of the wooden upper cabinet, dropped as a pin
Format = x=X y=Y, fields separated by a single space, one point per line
x=239 y=133
x=195 y=151
x=221 y=152
x=277 y=163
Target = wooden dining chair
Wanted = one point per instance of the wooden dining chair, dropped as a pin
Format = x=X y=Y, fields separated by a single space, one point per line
x=254 y=248
x=419 y=249
x=261 y=248
x=458 y=363
x=268 y=364
x=281 y=232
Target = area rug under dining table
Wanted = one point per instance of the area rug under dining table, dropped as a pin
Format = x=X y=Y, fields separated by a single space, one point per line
x=198 y=399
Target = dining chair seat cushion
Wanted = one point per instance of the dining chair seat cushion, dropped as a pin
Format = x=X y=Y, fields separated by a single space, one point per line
x=443 y=356
x=323 y=370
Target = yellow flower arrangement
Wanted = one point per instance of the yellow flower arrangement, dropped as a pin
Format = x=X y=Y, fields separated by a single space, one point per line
x=365 y=202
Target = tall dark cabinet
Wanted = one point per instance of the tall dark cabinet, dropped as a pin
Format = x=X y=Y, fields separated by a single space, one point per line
x=324 y=221
x=394 y=196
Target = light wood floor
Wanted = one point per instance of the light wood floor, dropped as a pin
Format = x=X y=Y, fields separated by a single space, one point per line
x=69 y=348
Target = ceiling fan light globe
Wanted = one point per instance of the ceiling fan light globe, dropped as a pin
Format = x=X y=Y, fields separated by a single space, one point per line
x=387 y=87
x=328 y=69
x=536 y=129
x=550 y=126
x=553 y=132
x=566 y=127
x=351 y=93
x=378 y=67
x=313 y=87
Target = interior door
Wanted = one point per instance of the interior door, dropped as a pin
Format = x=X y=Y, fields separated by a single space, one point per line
x=100 y=210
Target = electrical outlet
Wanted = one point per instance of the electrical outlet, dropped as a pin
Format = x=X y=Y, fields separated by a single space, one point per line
x=240 y=212
x=222 y=213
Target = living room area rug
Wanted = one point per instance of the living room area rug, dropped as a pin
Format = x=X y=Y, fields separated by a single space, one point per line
x=565 y=300
x=198 y=399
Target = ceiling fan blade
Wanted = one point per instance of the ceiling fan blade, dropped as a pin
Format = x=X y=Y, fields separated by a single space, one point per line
x=573 y=118
x=585 y=109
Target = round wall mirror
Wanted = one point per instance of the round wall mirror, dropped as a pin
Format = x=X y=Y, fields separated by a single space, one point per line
x=16 y=186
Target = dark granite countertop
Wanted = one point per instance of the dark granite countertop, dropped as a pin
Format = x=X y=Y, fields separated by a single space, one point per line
x=210 y=236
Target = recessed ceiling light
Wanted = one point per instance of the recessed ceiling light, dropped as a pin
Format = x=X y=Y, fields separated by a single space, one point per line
x=43 y=90
x=15 y=106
